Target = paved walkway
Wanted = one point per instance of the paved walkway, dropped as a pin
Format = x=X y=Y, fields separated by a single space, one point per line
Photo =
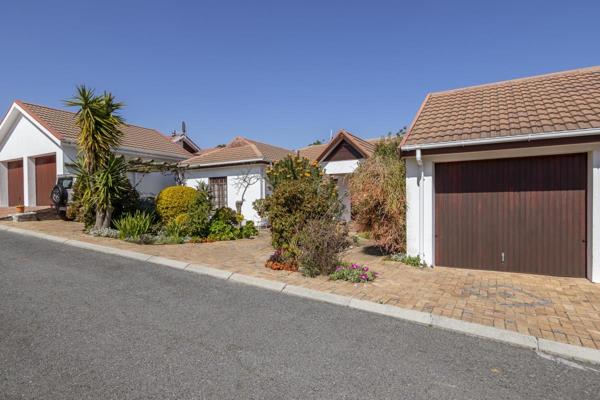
x=562 y=309
x=6 y=211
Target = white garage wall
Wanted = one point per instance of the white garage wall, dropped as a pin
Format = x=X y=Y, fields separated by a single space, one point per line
x=233 y=174
x=25 y=141
x=416 y=244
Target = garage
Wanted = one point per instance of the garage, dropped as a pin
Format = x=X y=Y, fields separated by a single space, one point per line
x=15 y=182
x=514 y=214
x=45 y=179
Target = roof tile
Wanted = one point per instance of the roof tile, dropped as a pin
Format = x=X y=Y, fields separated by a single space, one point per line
x=137 y=138
x=547 y=103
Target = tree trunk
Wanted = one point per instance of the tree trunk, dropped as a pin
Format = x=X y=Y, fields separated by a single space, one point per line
x=100 y=216
x=107 y=218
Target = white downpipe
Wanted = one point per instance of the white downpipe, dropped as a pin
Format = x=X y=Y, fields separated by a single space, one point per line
x=421 y=204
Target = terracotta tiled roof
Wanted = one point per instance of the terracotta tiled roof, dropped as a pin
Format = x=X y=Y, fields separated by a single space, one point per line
x=238 y=150
x=319 y=151
x=556 y=102
x=312 y=152
x=61 y=123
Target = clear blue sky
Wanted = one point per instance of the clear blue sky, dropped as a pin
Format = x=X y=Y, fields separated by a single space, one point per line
x=284 y=72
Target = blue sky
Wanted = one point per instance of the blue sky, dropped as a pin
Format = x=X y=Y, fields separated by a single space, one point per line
x=284 y=72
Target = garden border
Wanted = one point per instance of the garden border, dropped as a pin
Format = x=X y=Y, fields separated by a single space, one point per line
x=513 y=338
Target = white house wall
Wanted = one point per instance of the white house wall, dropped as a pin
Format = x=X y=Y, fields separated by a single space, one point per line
x=413 y=228
x=233 y=174
x=25 y=141
x=150 y=184
x=340 y=167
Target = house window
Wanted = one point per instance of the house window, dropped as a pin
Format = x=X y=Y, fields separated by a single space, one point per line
x=218 y=191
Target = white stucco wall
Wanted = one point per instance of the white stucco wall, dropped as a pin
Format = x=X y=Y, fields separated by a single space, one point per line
x=340 y=167
x=422 y=246
x=413 y=182
x=233 y=174
x=594 y=215
x=25 y=141
x=150 y=184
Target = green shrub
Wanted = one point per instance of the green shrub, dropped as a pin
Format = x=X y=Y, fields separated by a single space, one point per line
x=248 y=230
x=133 y=225
x=321 y=241
x=413 y=261
x=175 y=230
x=353 y=273
x=220 y=230
x=295 y=202
x=173 y=201
x=293 y=167
x=199 y=212
x=226 y=215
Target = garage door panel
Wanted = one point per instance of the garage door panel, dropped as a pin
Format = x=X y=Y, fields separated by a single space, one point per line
x=518 y=215
x=45 y=179
x=15 y=183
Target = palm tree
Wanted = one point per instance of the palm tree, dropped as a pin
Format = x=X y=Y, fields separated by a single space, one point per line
x=99 y=123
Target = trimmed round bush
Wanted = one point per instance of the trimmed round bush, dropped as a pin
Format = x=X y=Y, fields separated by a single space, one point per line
x=174 y=201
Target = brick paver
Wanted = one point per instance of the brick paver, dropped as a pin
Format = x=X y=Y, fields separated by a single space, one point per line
x=562 y=309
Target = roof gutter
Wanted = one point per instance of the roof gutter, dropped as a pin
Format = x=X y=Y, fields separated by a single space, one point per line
x=137 y=151
x=504 y=139
x=227 y=163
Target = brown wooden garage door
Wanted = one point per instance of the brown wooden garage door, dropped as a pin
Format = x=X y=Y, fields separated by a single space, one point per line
x=45 y=179
x=517 y=215
x=15 y=183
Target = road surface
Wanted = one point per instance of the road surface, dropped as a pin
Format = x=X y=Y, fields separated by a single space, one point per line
x=76 y=324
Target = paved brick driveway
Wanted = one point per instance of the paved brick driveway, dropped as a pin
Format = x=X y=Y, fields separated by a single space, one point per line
x=561 y=309
x=6 y=211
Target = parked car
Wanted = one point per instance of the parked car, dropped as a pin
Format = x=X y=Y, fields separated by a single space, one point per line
x=62 y=193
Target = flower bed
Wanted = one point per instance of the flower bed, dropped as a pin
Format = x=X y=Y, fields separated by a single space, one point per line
x=353 y=273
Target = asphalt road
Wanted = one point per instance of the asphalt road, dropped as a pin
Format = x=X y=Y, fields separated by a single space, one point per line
x=75 y=324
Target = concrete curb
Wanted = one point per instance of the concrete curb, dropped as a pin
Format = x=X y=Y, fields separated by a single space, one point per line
x=316 y=295
x=391 y=311
x=569 y=351
x=40 y=235
x=488 y=332
x=513 y=338
x=168 y=262
x=214 y=272
x=259 y=282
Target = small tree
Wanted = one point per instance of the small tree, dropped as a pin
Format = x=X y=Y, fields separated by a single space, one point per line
x=242 y=183
x=99 y=124
x=300 y=194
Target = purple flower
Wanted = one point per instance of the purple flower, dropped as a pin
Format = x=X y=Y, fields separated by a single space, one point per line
x=365 y=269
x=354 y=266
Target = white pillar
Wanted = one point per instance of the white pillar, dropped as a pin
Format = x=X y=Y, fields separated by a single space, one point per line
x=419 y=212
x=593 y=272
x=29 y=181
x=3 y=185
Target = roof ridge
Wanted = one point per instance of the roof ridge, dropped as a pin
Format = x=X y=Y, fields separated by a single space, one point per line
x=268 y=144
x=74 y=112
x=525 y=78
x=256 y=150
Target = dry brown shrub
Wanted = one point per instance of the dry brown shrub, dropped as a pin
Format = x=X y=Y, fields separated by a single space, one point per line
x=378 y=196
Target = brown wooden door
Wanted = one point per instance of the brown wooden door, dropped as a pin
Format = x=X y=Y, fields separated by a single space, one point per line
x=45 y=179
x=15 y=183
x=516 y=215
